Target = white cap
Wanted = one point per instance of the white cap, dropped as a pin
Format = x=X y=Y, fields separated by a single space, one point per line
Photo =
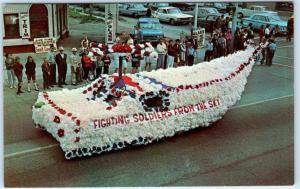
x=61 y=48
x=74 y=49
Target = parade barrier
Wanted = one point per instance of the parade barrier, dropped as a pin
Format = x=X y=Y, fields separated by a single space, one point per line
x=112 y=113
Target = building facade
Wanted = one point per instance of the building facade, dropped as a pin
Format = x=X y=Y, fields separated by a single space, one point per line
x=25 y=22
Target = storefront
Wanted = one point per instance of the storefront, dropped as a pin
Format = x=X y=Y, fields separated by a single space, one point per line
x=25 y=22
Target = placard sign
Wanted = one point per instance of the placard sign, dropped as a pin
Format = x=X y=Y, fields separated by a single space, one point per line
x=42 y=45
x=199 y=36
x=110 y=23
x=25 y=26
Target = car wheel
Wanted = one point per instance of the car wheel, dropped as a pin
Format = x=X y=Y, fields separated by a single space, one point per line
x=172 y=22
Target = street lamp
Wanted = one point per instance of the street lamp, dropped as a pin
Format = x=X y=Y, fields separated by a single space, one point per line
x=196 y=16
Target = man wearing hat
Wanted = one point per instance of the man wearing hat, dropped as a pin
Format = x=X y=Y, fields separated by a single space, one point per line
x=74 y=61
x=61 y=61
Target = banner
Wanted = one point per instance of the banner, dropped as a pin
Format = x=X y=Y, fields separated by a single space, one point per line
x=110 y=23
x=42 y=45
x=25 y=26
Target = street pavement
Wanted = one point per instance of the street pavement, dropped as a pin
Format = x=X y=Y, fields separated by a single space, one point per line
x=252 y=145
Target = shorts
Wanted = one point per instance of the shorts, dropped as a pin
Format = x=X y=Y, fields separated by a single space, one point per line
x=31 y=77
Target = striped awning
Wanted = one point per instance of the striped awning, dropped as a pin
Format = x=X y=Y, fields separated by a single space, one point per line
x=15 y=8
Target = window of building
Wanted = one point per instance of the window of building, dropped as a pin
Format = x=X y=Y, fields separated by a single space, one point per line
x=38 y=15
x=11 y=25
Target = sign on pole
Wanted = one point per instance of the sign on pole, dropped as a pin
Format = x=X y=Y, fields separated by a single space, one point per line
x=110 y=23
x=198 y=35
x=25 y=26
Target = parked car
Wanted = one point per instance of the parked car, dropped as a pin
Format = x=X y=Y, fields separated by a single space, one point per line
x=221 y=7
x=285 y=6
x=254 y=9
x=183 y=6
x=263 y=19
x=151 y=29
x=203 y=12
x=172 y=15
x=155 y=6
x=134 y=10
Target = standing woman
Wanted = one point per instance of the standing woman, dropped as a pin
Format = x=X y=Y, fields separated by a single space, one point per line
x=148 y=50
x=182 y=52
x=30 y=72
x=9 y=62
x=46 y=74
x=18 y=69
x=87 y=64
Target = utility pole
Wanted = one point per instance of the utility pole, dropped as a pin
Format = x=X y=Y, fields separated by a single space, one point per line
x=196 y=16
x=234 y=19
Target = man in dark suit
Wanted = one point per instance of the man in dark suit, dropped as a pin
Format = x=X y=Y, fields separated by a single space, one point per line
x=61 y=61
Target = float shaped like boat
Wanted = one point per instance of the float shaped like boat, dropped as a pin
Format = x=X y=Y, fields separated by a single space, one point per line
x=112 y=113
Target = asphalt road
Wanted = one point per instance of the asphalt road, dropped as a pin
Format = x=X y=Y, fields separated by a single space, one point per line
x=252 y=145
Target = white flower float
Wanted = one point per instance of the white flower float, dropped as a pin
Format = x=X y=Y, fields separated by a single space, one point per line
x=111 y=114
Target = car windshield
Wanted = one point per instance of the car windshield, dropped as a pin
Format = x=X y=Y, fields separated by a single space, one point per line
x=174 y=11
x=275 y=18
x=150 y=25
x=139 y=6
x=213 y=11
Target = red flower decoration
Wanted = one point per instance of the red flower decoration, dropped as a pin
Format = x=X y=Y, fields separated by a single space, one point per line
x=60 y=132
x=90 y=88
x=95 y=85
x=62 y=111
x=56 y=119
x=77 y=139
x=45 y=95
x=113 y=90
x=84 y=92
x=78 y=122
x=73 y=118
x=69 y=114
x=77 y=130
x=114 y=104
x=180 y=87
x=108 y=108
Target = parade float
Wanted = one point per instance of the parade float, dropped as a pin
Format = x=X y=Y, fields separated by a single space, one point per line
x=115 y=111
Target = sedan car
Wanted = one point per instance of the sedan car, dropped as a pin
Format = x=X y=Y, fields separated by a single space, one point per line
x=134 y=10
x=203 y=12
x=172 y=15
x=263 y=19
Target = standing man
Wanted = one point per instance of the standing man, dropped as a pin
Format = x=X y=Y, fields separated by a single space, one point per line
x=162 y=51
x=267 y=31
x=290 y=29
x=52 y=65
x=271 y=51
x=61 y=61
x=74 y=61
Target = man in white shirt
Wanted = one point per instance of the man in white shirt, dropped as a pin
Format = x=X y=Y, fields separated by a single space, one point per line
x=162 y=51
x=267 y=31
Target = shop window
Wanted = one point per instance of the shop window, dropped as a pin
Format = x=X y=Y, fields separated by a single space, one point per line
x=11 y=26
x=38 y=15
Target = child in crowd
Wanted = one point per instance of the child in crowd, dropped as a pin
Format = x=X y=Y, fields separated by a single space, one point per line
x=46 y=74
x=209 y=51
x=106 y=61
x=271 y=51
x=99 y=65
x=18 y=69
x=30 y=72
x=190 y=53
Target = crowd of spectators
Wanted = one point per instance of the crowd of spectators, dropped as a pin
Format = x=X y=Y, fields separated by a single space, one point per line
x=92 y=59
